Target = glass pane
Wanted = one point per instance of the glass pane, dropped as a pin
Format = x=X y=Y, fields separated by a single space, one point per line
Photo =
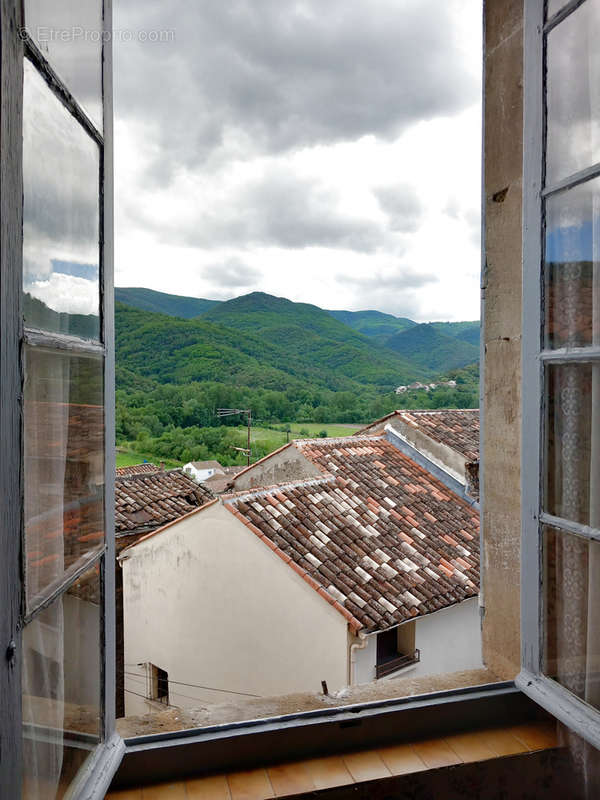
x=61 y=689
x=64 y=466
x=69 y=34
x=573 y=93
x=573 y=442
x=571 y=269
x=61 y=217
x=571 y=602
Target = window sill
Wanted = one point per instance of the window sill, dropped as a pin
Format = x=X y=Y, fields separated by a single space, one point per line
x=566 y=707
x=239 y=746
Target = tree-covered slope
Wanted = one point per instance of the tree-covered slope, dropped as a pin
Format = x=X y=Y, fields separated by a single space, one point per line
x=304 y=332
x=431 y=350
x=374 y=324
x=266 y=349
x=465 y=331
x=172 y=304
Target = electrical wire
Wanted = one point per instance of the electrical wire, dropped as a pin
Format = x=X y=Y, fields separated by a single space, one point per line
x=198 y=686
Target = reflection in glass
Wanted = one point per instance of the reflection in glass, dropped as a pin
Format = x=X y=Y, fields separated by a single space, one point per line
x=572 y=267
x=69 y=34
x=573 y=442
x=61 y=689
x=61 y=218
x=571 y=622
x=64 y=466
x=573 y=93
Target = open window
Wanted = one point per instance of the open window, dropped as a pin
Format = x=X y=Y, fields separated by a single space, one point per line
x=561 y=368
x=396 y=650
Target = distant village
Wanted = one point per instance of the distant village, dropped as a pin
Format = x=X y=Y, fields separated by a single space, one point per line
x=424 y=386
x=331 y=563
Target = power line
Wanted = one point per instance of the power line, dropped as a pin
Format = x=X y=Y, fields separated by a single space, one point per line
x=198 y=686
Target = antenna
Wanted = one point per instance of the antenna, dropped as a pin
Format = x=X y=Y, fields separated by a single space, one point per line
x=230 y=412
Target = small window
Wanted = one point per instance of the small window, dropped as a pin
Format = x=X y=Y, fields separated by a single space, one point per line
x=396 y=649
x=157 y=683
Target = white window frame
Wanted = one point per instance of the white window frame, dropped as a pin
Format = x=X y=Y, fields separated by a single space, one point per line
x=569 y=709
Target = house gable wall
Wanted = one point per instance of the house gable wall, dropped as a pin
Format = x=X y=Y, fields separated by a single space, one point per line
x=210 y=603
x=282 y=467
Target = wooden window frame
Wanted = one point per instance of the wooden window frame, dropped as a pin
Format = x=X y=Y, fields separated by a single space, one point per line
x=557 y=700
x=15 y=46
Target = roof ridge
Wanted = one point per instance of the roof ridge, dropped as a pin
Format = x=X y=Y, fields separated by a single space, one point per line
x=351 y=440
x=137 y=475
x=433 y=410
x=261 y=491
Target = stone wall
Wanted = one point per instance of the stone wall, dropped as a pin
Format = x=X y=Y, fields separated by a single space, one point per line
x=501 y=332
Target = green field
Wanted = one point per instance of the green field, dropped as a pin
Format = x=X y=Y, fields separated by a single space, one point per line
x=271 y=439
x=263 y=440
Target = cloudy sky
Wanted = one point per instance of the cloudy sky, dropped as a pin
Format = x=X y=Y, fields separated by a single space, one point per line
x=327 y=151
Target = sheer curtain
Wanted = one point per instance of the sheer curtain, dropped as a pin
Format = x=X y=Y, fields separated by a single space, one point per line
x=47 y=428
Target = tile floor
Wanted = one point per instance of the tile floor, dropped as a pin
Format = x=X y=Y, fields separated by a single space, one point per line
x=366 y=765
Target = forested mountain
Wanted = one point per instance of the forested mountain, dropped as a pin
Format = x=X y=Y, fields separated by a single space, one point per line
x=258 y=341
x=431 y=350
x=288 y=362
x=172 y=304
x=465 y=331
x=375 y=324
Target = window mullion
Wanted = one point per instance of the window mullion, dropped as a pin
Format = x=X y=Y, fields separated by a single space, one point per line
x=532 y=366
x=580 y=355
x=11 y=262
x=572 y=180
x=585 y=531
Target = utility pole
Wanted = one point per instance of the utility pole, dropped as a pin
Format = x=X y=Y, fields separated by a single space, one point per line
x=229 y=412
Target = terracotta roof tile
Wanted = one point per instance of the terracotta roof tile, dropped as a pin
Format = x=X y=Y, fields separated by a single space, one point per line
x=374 y=547
x=457 y=428
x=147 y=501
x=137 y=469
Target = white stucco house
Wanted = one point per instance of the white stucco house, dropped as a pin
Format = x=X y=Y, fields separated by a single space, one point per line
x=203 y=470
x=362 y=567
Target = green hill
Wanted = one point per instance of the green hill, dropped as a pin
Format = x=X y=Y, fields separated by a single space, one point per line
x=374 y=324
x=256 y=341
x=431 y=350
x=465 y=331
x=305 y=334
x=172 y=304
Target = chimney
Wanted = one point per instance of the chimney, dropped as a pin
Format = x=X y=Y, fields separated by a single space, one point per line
x=162 y=466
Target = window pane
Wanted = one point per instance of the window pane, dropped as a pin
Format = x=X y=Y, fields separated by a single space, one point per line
x=554 y=6
x=61 y=689
x=69 y=34
x=573 y=442
x=572 y=272
x=571 y=602
x=61 y=217
x=64 y=466
x=573 y=93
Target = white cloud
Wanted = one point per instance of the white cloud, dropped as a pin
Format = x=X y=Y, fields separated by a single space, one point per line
x=389 y=193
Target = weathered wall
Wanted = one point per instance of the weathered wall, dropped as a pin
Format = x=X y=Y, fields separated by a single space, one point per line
x=501 y=518
x=207 y=601
x=287 y=465
x=440 y=454
x=449 y=641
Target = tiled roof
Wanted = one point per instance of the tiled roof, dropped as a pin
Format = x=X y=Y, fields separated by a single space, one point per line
x=145 y=502
x=457 y=428
x=206 y=465
x=377 y=536
x=137 y=469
